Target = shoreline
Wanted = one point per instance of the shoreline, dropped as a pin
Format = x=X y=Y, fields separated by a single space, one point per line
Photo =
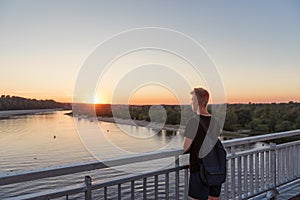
x=6 y=114
x=152 y=125
x=167 y=127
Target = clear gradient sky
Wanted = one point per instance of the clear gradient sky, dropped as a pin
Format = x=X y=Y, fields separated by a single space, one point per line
x=255 y=44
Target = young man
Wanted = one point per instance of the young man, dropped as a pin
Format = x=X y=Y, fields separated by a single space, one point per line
x=193 y=138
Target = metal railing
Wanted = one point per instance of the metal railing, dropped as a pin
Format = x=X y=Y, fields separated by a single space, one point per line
x=88 y=186
x=250 y=173
x=261 y=171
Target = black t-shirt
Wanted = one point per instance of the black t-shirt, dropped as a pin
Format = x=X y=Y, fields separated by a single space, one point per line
x=196 y=132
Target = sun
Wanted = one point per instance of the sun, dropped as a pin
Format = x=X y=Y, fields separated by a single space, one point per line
x=96 y=100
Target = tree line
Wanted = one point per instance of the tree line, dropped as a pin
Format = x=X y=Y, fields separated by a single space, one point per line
x=263 y=118
x=256 y=118
x=8 y=102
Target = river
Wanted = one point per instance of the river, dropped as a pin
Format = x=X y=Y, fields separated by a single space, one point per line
x=53 y=138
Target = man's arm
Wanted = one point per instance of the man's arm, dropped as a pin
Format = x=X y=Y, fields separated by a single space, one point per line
x=186 y=144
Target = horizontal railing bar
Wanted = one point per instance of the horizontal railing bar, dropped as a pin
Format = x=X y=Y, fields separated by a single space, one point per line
x=128 y=178
x=80 y=188
x=260 y=138
x=53 y=193
x=279 y=146
x=18 y=177
x=31 y=175
x=248 y=152
x=260 y=150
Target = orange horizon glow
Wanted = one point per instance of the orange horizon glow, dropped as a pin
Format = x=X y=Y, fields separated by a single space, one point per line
x=169 y=102
x=167 y=99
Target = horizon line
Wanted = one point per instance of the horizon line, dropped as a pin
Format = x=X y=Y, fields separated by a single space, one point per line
x=140 y=104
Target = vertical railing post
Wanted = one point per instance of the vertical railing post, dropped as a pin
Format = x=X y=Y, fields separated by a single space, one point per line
x=167 y=186
x=251 y=173
x=262 y=171
x=239 y=176
x=273 y=192
x=105 y=193
x=88 y=183
x=119 y=192
x=232 y=150
x=156 y=187
x=273 y=163
x=132 y=190
x=256 y=167
x=294 y=159
x=232 y=173
x=186 y=182
x=144 y=188
x=226 y=196
x=177 y=178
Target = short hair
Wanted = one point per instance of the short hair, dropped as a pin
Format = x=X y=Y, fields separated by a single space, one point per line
x=202 y=96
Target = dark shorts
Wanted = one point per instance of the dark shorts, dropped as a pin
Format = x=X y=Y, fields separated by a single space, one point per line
x=198 y=190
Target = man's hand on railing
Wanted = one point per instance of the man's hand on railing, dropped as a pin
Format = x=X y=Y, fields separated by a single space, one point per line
x=186 y=144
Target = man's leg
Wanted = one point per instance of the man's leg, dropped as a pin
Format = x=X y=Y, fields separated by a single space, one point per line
x=214 y=192
x=213 y=198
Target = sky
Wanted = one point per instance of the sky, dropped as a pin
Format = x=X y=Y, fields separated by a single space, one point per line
x=254 y=46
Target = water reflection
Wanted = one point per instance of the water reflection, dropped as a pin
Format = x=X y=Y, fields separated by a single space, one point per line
x=28 y=142
x=137 y=139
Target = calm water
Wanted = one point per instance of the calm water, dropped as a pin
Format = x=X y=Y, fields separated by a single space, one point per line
x=51 y=139
x=41 y=140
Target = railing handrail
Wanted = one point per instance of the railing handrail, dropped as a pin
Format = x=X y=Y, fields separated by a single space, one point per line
x=260 y=138
x=54 y=171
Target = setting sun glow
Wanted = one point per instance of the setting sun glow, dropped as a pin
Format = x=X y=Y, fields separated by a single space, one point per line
x=96 y=100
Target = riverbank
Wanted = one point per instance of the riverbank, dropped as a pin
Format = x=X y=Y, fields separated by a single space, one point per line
x=152 y=125
x=167 y=127
x=10 y=113
x=158 y=126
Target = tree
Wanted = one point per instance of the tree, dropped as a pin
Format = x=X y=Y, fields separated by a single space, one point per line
x=18 y=103
x=297 y=123
x=230 y=121
x=283 y=126
x=173 y=117
x=244 y=116
x=258 y=126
